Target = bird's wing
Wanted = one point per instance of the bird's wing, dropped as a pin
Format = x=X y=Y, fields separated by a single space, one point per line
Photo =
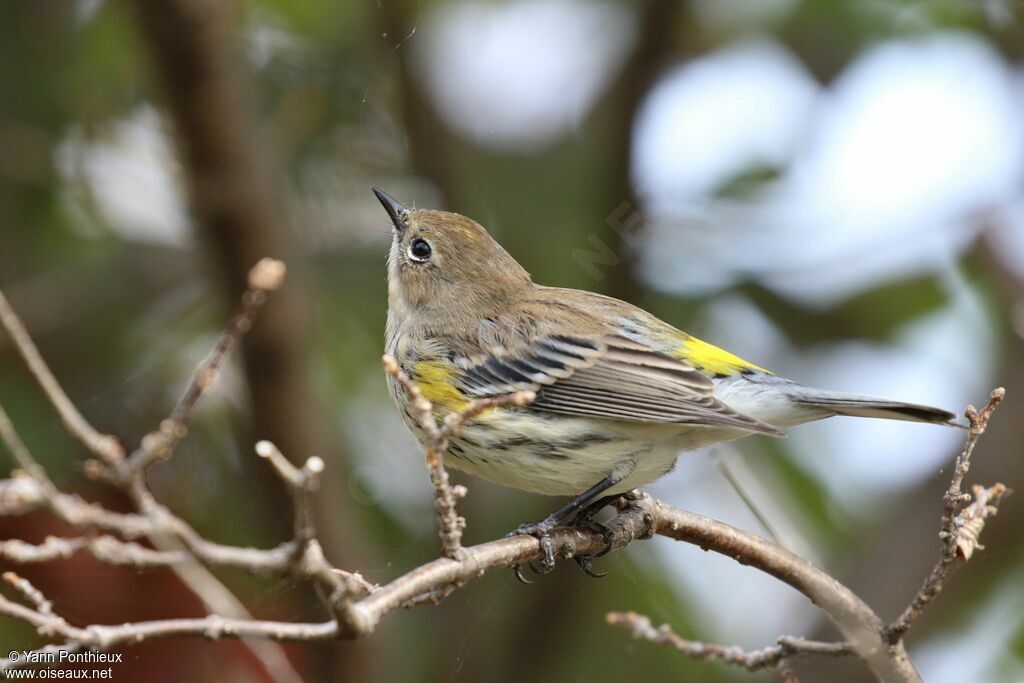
x=609 y=377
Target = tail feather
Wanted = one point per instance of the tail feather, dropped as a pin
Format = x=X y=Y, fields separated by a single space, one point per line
x=866 y=406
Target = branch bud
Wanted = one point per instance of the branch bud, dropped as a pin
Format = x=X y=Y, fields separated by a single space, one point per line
x=267 y=275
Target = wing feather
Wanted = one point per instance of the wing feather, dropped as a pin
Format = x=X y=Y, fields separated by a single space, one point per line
x=611 y=377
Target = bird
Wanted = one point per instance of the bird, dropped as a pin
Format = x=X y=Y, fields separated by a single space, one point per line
x=618 y=393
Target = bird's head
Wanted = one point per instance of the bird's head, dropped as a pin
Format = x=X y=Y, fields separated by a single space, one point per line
x=444 y=261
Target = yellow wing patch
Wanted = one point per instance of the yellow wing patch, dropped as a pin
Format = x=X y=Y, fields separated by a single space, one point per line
x=435 y=380
x=711 y=359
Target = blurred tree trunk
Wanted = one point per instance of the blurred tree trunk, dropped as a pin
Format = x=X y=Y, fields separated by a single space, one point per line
x=663 y=28
x=429 y=142
x=193 y=45
x=197 y=52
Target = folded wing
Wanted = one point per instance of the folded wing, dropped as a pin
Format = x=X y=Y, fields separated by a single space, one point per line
x=607 y=377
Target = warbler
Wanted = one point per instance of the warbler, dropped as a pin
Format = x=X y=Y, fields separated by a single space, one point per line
x=619 y=393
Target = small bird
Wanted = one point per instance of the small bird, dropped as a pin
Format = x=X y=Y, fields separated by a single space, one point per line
x=619 y=393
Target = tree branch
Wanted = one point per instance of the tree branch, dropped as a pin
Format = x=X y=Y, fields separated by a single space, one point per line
x=167 y=532
x=103 y=445
x=265 y=277
x=355 y=608
x=881 y=646
x=772 y=657
x=105 y=548
x=861 y=627
x=961 y=527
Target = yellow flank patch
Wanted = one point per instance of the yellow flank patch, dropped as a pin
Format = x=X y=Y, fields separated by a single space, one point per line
x=434 y=378
x=711 y=359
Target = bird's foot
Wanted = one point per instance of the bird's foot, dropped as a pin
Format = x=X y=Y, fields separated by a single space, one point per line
x=542 y=532
x=584 y=561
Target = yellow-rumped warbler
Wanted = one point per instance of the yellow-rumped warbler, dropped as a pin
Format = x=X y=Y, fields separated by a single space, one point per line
x=619 y=393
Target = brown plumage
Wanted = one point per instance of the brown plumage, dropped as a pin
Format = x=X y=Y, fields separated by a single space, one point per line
x=619 y=392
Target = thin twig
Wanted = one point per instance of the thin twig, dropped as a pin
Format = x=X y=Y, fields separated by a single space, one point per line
x=446 y=497
x=22 y=455
x=858 y=623
x=102 y=637
x=103 y=445
x=771 y=657
x=960 y=530
x=265 y=277
x=302 y=483
x=31 y=594
x=164 y=530
x=335 y=588
x=23 y=494
x=104 y=548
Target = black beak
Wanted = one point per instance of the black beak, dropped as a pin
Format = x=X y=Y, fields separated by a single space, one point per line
x=396 y=211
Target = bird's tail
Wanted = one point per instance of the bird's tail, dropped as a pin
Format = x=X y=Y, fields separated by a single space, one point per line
x=866 y=406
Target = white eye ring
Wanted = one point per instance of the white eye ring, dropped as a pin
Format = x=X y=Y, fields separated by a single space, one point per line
x=419 y=241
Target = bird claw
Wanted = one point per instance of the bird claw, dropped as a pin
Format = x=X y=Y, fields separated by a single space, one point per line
x=542 y=532
x=584 y=561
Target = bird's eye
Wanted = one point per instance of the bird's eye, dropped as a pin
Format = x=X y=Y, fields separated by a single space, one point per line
x=419 y=250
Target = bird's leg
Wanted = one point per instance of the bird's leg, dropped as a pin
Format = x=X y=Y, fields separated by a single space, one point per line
x=587 y=503
x=585 y=517
x=585 y=520
x=542 y=530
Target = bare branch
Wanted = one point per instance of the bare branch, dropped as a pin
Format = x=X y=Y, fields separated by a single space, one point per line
x=454 y=421
x=336 y=588
x=22 y=494
x=355 y=607
x=102 y=637
x=960 y=529
x=266 y=276
x=105 y=548
x=880 y=646
x=430 y=583
x=165 y=531
x=103 y=445
x=636 y=519
x=31 y=594
x=861 y=627
x=302 y=483
x=358 y=618
x=772 y=657
x=21 y=453
x=450 y=524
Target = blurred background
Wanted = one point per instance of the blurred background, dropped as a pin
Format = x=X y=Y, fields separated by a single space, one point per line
x=833 y=189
